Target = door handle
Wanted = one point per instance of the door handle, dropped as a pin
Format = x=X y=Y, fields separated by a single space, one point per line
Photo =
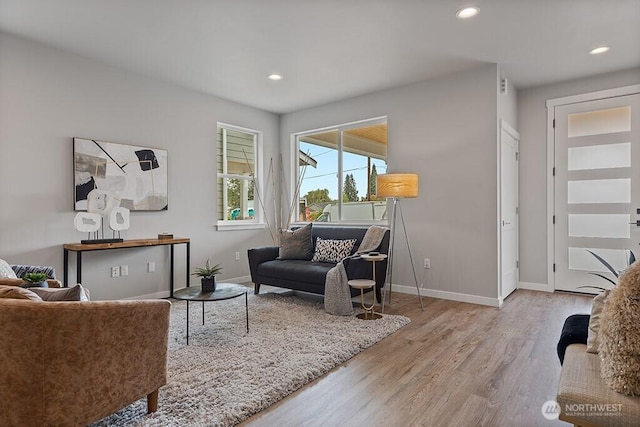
x=508 y=223
x=637 y=223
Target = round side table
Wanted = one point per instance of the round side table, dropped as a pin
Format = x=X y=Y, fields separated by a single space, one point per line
x=362 y=284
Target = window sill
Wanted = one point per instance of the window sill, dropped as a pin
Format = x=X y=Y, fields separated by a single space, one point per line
x=232 y=225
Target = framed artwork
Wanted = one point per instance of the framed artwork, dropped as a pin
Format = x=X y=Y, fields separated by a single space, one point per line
x=136 y=176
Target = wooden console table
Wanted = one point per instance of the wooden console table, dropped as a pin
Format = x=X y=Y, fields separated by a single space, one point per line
x=79 y=248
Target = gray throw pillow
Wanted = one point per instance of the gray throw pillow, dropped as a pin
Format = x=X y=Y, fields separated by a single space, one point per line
x=296 y=244
x=76 y=293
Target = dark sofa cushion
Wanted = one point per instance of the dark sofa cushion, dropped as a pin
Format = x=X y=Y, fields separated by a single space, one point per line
x=306 y=271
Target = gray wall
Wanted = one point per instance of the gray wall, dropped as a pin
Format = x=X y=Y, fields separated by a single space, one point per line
x=446 y=131
x=49 y=96
x=532 y=125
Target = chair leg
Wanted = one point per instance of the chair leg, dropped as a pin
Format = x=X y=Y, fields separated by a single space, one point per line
x=152 y=401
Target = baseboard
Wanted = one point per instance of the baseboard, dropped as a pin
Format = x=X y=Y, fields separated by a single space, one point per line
x=241 y=279
x=542 y=287
x=453 y=296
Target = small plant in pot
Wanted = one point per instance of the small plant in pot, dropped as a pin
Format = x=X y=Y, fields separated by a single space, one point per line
x=35 y=280
x=208 y=276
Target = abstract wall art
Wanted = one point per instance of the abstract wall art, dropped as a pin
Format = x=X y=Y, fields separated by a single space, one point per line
x=136 y=176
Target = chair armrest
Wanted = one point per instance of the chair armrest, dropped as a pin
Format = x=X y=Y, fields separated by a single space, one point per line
x=259 y=255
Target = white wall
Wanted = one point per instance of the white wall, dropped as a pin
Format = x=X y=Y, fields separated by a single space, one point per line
x=445 y=130
x=532 y=125
x=47 y=97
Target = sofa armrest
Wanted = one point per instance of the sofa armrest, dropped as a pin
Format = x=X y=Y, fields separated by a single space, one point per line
x=259 y=255
x=86 y=360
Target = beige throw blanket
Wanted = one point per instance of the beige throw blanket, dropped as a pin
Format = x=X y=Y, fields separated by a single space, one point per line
x=337 y=297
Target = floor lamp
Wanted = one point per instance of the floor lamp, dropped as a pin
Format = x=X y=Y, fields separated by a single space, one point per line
x=398 y=186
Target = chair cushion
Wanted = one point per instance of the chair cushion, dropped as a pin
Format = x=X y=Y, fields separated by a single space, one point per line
x=76 y=293
x=6 y=272
x=594 y=321
x=304 y=271
x=16 y=292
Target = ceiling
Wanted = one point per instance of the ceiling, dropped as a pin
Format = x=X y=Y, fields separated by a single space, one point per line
x=332 y=49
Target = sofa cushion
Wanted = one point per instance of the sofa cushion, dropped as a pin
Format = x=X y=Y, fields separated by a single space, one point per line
x=329 y=250
x=305 y=271
x=6 y=272
x=16 y=292
x=76 y=293
x=296 y=244
x=594 y=321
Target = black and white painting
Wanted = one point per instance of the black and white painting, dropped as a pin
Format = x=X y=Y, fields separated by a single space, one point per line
x=137 y=176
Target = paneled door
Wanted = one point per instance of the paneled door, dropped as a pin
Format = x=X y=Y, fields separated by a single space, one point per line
x=597 y=189
x=509 y=143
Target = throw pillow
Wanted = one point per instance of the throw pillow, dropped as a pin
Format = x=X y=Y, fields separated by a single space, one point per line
x=594 y=322
x=16 y=292
x=6 y=272
x=619 y=334
x=296 y=244
x=334 y=251
x=76 y=293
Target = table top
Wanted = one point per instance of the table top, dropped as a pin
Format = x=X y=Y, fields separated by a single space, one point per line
x=223 y=291
x=362 y=283
x=82 y=247
x=368 y=257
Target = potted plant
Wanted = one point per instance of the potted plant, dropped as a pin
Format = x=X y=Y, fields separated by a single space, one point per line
x=208 y=276
x=35 y=280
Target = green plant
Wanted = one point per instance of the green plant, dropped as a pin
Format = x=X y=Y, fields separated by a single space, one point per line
x=207 y=271
x=630 y=260
x=34 y=277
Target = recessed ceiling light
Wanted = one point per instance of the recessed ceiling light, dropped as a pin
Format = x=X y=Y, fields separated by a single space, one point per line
x=275 y=76
x=598 y=50
x=467 y=12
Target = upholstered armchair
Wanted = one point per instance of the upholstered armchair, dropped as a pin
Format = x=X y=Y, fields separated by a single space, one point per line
x=73 y=363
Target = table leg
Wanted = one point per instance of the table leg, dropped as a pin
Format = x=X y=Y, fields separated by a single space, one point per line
x=79 y=267
x=188 y=263
x=171 y=271
x=66 y=268
x=246 y=309
x=187 y=322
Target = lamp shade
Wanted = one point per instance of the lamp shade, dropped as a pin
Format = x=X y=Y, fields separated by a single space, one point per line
x=397 y=185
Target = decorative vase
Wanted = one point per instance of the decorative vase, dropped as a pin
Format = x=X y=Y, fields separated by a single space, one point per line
x=208 y=284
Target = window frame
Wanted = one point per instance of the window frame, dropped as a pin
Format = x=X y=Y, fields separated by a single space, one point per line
x=295 y=170
x=258 y=219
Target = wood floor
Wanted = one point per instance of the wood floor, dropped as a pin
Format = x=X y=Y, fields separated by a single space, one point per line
x=456 y=364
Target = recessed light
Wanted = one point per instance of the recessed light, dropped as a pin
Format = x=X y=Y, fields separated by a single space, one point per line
x=598 y=50
x=275 y=76
x=467 y=12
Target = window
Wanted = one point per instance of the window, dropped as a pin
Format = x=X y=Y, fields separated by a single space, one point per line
x=337 y=169
x=238 y=166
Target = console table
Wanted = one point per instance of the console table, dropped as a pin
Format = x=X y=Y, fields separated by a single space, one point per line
x=79 y=248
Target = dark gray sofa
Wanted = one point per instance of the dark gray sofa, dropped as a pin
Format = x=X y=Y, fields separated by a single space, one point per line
x=307 y=276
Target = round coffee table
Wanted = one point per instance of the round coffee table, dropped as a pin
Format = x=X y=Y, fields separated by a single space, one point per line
x=224 y=291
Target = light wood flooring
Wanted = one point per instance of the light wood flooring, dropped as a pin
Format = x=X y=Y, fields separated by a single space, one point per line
x=456 y=364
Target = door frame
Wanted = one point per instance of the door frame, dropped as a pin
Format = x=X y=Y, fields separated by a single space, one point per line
x=551 y=143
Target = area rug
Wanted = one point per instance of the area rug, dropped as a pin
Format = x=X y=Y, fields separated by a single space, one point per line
x=225 y=375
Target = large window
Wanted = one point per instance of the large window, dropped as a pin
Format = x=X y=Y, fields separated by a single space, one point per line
x=337 y=169
x=238 y=175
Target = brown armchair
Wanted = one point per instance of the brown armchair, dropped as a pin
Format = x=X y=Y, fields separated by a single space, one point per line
x=73 y=363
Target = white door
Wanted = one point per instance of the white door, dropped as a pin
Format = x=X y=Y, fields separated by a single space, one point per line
x=509 y=141
x=597 y=193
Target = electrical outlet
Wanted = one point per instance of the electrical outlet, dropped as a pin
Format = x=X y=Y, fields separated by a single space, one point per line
x=115 y=271
x=427 y=263
x=237 y=256
x=124 y=270
x=151 y=266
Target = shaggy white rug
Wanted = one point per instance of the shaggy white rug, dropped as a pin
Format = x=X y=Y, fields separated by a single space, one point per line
x=226 y=375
